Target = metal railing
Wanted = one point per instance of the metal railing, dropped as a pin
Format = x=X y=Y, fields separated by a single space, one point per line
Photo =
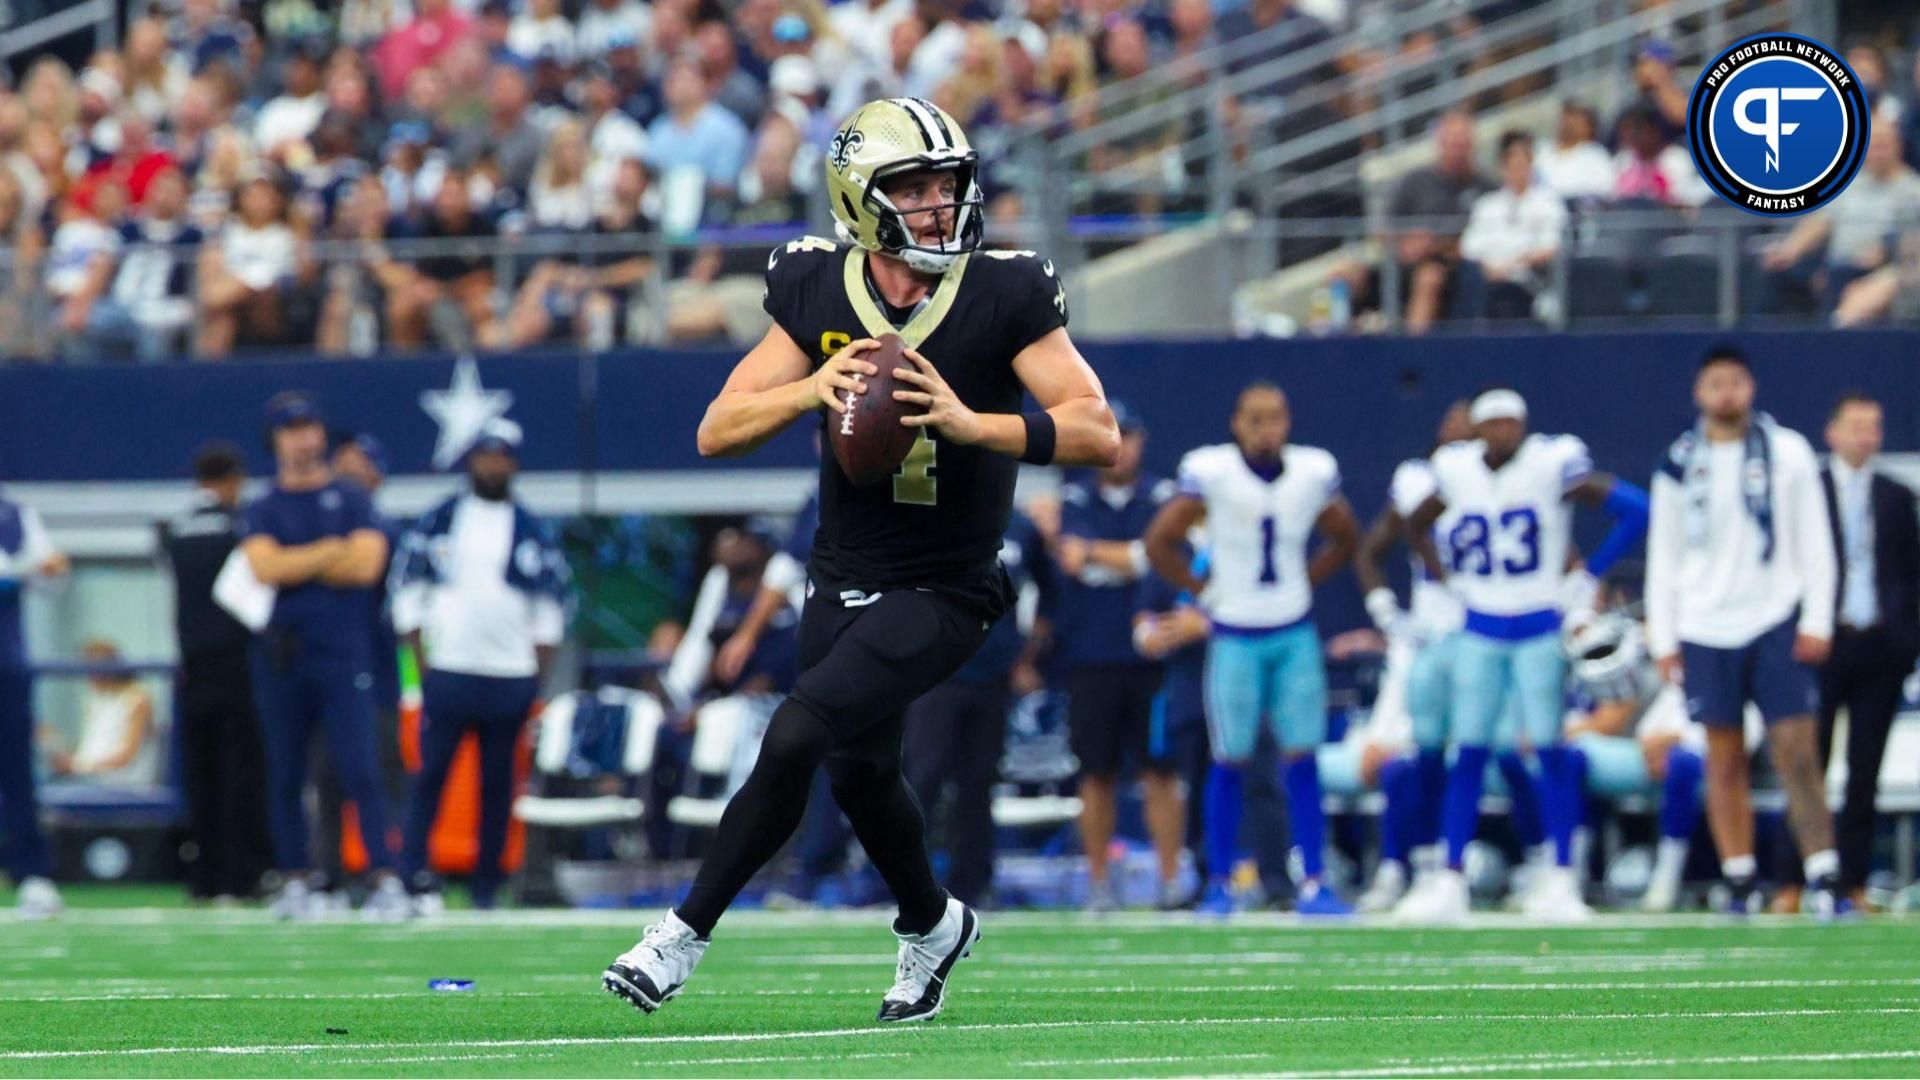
x=1613 y=266
x=1288 y=130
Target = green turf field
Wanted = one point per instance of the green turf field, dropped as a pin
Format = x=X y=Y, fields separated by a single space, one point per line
x=151 y=991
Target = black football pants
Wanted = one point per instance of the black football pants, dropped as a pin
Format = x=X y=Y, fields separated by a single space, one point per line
x=861 y=666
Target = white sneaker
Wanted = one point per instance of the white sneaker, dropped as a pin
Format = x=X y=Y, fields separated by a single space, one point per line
x=1101 y=899
x=294 y=902
x=925 y=961
x=1389 y=885
x=1442 y=898
x=1557 y=897
x=388 y=902
x=39 y=899
x=1669 y=873
x=651 y=973
x=1663 y=895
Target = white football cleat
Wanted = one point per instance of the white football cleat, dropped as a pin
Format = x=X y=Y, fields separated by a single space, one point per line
x=1441 y=898
x=388 y=902
x=1556 y=897
x=294 y=902
x=651 y=973
x=925 y=960
x=39 y=899
x=1389 y=885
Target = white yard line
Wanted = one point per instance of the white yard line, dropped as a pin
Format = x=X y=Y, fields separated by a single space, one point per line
x=946 y=1029
x=1531 y=1064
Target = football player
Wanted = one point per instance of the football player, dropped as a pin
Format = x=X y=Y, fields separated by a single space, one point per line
x=1630 y=735
x=1419 y=642
x=1509 y=493
x=904 y=580
x=1263 y=499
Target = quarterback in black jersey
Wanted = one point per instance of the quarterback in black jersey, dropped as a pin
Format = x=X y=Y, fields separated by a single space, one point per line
x=904 y=580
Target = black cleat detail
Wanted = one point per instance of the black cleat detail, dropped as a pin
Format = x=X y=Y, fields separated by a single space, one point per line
x=928 y=1007
x=636 y=988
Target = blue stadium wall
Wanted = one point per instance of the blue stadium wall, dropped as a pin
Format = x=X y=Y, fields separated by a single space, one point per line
x=1372 y=402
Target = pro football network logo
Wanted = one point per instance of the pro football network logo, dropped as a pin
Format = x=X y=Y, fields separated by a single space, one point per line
x=1778 y=125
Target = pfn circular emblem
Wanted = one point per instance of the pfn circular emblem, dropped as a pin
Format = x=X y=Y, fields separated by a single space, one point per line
x=1778 y=124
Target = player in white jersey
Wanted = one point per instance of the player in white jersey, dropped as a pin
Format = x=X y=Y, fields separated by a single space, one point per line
x=1419 y=643
x=1263 y=499
x=1507 y=555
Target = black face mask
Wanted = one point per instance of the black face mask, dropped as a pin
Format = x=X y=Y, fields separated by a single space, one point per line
x=490 y=489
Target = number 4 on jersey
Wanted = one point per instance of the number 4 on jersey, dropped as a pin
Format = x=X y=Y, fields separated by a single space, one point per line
x=915 y=484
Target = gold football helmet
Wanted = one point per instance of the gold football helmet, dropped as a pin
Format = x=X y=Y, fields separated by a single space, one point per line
x=886 y=138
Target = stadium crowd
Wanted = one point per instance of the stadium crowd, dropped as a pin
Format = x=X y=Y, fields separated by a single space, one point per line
x=240 y=174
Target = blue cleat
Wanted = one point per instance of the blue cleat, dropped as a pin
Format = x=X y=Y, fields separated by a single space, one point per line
x=1319 y=901
x=1219 y=900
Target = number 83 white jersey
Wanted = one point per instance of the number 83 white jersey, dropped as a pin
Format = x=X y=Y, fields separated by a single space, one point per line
x=1506 y=549
x=1258 y=532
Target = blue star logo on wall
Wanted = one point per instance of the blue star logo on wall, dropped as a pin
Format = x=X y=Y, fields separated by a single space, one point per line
x=462 y=411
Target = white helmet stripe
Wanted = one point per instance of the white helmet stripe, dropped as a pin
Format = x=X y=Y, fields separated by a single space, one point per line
x=930 y=126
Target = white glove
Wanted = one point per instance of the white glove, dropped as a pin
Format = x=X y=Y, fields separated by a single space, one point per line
x=1385 y=611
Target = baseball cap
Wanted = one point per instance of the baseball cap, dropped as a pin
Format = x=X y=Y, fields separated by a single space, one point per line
x=374 y=450
x=499 y=434
x=291 y=407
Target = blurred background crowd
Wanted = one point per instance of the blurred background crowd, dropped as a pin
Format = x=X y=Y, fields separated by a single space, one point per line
x=362 y=175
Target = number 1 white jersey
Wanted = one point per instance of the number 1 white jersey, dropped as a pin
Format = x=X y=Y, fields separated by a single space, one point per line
x=1258 y=532
x=1507 y=550
x=1434 y=608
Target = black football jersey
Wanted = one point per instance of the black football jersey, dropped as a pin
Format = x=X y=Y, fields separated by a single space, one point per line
x=938 y=522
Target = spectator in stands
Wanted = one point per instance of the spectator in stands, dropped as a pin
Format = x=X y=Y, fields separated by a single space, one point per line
x=221 y=766
x=1576 y=167
x=542 y=29
x=696 y=149
x=1067 y=73
x=1651 y=170
x=602 y=22
x=436 y=26
x=583 y=293
x=1854 y=236
x=1658 y=95
x=866 y=27
x=1431 y=200
x=290 y=118
x=1869 y=65
x=612 y=135
x=1512 y=235
x=88 y=234
x=140 y=298
x=558 y=199
x=244 y=278
x=350 y=97
x=1135 y=158
x=209 y=34
x=27 y=556
x=508 y=137
x=1301 y=32
x=156 y=76
x=727 y=85
x=115 y=745
x=14 y=159
x=451 y=288
x=20 y=250
x=413 y=170
x=886 y=76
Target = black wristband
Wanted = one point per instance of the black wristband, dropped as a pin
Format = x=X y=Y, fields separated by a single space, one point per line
x=1040 y=439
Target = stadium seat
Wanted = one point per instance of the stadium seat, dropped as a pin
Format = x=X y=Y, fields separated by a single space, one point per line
x=720 y=731
x=1036 y=767
x=584 y=737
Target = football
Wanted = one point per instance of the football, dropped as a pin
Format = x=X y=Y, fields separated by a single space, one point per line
x=868 y=440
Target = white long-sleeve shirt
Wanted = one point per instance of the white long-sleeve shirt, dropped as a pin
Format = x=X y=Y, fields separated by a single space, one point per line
x=473 y=622
x=1721 y=593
